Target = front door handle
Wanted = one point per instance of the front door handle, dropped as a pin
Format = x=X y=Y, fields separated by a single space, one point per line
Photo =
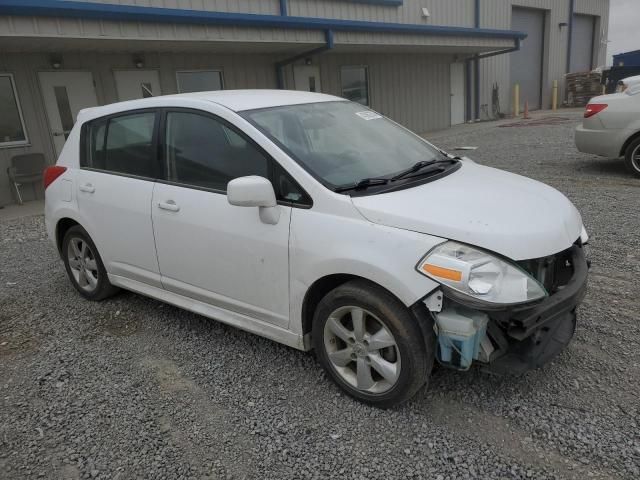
x=88 y=188
x=169 y=205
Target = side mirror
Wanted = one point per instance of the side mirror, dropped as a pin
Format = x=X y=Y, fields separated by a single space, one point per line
x=254 y=191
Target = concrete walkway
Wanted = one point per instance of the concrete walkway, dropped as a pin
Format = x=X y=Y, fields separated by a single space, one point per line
x=28 y=209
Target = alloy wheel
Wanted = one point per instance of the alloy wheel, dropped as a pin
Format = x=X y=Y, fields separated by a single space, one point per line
x=362 y=350
x=635 y=159
x=82 y=263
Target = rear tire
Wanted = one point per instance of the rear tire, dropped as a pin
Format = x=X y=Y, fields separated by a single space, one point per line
x=632 y=157
x=84 y=265
x=371 y=345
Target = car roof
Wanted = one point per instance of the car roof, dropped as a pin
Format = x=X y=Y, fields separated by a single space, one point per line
x=631 y=80
x=236 y=100
x=239 y=100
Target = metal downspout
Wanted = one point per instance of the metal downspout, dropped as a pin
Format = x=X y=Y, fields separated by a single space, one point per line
x=476 y=65
x=283 y=8
x=316 y=51
x=500 y=52
x=572 y=8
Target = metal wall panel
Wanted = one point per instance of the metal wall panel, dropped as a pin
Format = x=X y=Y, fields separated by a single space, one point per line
x=582 y=43
x=449 y=12
x=496 y=70
x=413 y=89
x=240 y=71
x=267 y=7
x=106 y=29
x=526 y=64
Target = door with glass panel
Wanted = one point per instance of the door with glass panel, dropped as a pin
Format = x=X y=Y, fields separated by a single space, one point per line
x=64 y=95
x=209 y=250
x=114 y=186
x=135 y=84
x=307 y=78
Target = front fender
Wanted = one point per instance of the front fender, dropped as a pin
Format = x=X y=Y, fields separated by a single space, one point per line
x=322 y=245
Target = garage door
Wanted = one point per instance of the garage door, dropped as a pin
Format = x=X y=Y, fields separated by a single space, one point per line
x=582 y=43
x=526 y=64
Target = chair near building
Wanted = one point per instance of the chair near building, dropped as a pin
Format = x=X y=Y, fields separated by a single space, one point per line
x=26 y=168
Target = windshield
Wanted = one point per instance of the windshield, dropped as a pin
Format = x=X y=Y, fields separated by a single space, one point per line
x=342 y=143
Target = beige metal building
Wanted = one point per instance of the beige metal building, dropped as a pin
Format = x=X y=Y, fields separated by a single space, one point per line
x=425 y=63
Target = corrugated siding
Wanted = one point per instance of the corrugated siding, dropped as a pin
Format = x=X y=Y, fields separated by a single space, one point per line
x=83 y=28
x=450 y=12
x=411 y=89
x=240 y=71
x=497 y=14
x=267 y=7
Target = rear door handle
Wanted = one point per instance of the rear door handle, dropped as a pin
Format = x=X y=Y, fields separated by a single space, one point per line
x=169 y=205
x=87 y=187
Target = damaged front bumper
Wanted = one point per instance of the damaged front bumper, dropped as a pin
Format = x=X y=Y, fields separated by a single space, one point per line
x=516 y=338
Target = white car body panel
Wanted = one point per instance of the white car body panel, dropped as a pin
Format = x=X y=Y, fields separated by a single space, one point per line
x=606 y=133
x=221 y=254
x=221 y=261
x=492 y=209
x=117 y=213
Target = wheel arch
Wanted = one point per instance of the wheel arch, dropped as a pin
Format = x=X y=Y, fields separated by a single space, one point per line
x=630 y=140
x=322 y=286
x=62 y=227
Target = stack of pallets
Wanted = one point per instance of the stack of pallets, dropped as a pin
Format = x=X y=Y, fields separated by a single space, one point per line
x=582 y=87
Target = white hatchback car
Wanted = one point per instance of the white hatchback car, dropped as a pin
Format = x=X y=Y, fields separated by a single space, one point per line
x=611 y=127
x=319 y=223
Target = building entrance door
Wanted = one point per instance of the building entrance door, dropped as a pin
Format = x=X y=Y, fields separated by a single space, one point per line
x=135 y=84
x=64 y=95
x=307 y=78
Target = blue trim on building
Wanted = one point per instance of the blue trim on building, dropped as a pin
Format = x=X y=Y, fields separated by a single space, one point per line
x=101 y=11
x=283 y=8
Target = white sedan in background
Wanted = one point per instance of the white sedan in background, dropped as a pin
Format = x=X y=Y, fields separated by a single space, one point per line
x=611 y=127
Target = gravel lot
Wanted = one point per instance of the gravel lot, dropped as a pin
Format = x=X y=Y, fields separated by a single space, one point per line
x=132 y=388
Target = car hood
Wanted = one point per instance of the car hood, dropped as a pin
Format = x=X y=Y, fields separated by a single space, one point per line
x=499 y=211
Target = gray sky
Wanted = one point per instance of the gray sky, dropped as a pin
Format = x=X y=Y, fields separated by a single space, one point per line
x=624 y=27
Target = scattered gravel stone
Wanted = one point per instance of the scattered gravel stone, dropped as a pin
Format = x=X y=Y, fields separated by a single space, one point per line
x=132 y=388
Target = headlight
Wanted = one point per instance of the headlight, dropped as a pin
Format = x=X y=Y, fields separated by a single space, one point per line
x=480 y=275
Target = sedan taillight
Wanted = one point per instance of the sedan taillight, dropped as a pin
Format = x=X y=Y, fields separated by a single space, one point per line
x=594 y=109
x=51 y=173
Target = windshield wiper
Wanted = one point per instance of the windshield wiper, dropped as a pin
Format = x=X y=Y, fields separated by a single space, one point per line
x=420 y=166
x=362 y=184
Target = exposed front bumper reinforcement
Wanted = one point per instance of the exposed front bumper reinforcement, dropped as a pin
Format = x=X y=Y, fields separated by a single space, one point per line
x=529 y=336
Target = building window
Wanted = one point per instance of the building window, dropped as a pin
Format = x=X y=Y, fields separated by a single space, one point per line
x=12 y=131
x=354 y=82
x=199 y=81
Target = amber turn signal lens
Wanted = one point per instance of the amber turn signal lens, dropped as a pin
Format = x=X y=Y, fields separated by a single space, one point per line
x=442 y=272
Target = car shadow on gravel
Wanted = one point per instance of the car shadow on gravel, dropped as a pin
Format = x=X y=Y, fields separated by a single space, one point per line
x=615 y=167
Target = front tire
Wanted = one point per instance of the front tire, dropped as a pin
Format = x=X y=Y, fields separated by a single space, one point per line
x=371 y=345
x=632 y=157
x=84 y=265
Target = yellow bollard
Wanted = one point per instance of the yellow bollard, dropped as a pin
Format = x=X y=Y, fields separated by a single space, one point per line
x=554 y=97
x=516 y=100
